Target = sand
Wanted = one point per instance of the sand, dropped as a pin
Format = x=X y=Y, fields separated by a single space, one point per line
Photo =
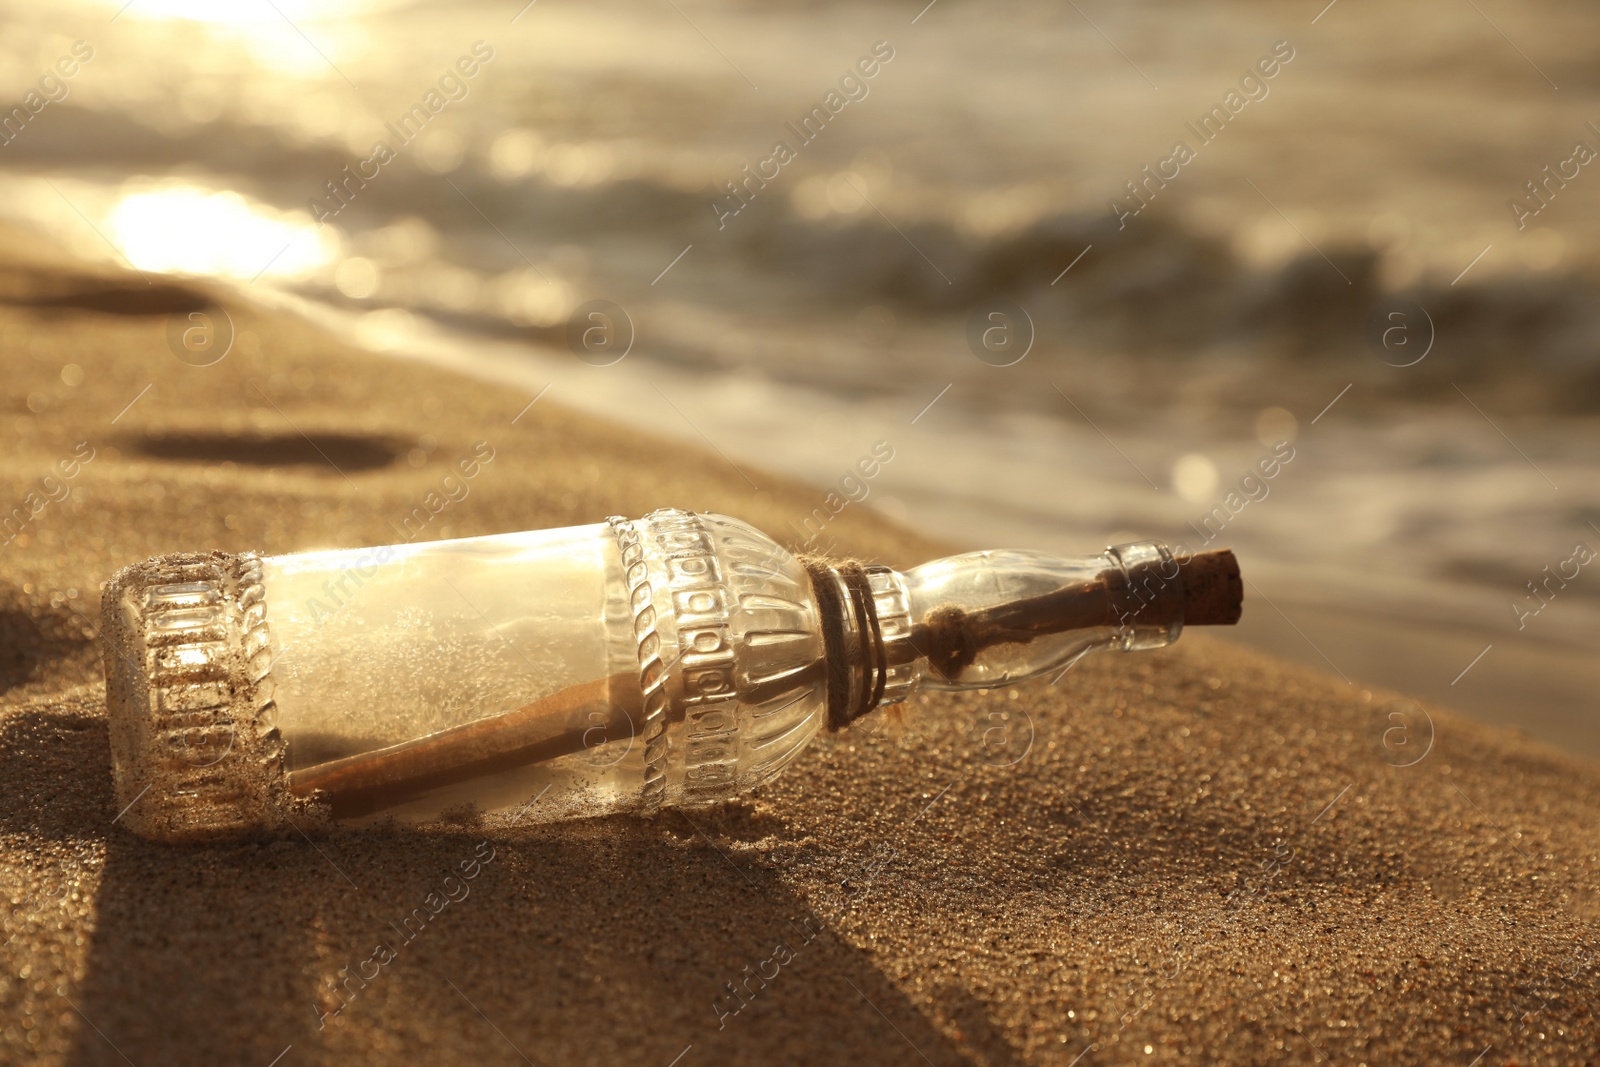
x=1200 y=854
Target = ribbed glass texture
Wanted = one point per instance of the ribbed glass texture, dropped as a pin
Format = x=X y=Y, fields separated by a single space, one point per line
x=582 y=671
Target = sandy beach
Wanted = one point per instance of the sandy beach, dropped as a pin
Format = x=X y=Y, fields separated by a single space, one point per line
x=1202 y=854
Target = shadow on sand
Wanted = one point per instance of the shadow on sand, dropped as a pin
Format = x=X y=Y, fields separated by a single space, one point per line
x=605 y=942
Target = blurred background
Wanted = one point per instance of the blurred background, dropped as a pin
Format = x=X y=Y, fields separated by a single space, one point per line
x=988 y=253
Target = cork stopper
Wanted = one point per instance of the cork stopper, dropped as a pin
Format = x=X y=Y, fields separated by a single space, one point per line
x=1213 y=592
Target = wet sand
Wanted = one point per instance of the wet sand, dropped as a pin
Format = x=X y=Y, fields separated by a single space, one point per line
x=1201 y=854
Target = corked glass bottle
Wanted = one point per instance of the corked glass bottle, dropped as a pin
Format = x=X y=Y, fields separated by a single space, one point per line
x=679 y=659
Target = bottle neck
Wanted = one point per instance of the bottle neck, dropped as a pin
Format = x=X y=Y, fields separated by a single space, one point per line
x=988 y=619
x=867 y=631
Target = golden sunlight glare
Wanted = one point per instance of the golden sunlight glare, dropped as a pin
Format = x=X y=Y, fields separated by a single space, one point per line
x=183 y=229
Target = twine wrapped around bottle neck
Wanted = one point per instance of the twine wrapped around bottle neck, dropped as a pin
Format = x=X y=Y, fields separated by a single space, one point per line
x=845 y=660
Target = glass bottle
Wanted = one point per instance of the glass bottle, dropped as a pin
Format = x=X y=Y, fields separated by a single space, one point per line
x=678 y=659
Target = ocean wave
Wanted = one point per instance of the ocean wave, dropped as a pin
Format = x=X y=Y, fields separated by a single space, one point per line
x=1157 y=291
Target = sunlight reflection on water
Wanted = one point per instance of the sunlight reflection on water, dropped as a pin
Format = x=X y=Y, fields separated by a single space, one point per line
x=304 y=39
x=210 y=11
x=184 y=229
